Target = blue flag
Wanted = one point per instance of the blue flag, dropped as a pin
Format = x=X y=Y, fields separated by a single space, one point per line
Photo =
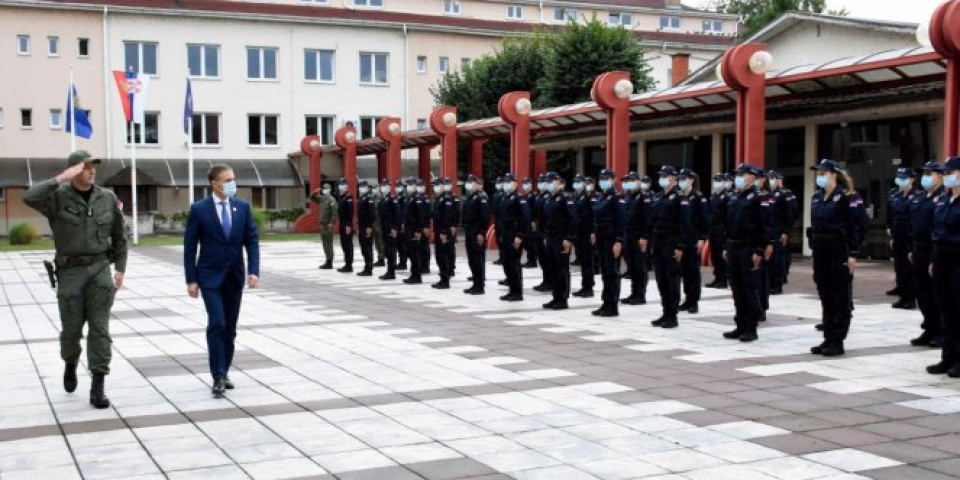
x=76 y=115
x=187 y=109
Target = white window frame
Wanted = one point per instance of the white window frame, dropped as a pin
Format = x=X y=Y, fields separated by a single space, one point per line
x=422 y=63
x=371 y=57
x=422 y=124
x=203 y=75
x=465 y=62
x=317 y=53
x=563 y=14
x=511 y=9
x=451 y=7
x=140 y=45
x=263 y=130
x=29 y=112
x=142 y=130
x=23 y=45
x=712 y=26
x=202 y=124
x=80 y=54
x=261 y=70
x=53 y=46
x=325 y=127
x=618 y=19
x=373 y=120
x=368 y=3
x=56 y=119
x=444 y=63
x=670 y=21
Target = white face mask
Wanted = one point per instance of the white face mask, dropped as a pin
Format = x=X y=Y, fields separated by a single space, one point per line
x=628 y=186
x=527 y=187
x=727 y=185
x=326 y=191
x=385 y=189
x=684 y=184
x=772 y=182
x=577 y=186
x=644 y=186
x=589 y=187
x=758 y=183
x=717 y=186
x=469 y=186
x=342 y=188
x=421 y=189
x=509 y=187
x=542 y=186
x=664 y=182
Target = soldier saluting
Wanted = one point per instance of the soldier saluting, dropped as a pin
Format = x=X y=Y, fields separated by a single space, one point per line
x=89 y=235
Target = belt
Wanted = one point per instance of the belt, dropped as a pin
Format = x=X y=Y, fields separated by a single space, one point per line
x=827 y=236
x=71 y=261
x=948 y=248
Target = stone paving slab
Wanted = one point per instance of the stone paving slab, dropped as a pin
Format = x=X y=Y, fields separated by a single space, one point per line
x=346 y=377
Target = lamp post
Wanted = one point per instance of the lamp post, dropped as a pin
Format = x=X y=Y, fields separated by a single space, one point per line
x=744 y=69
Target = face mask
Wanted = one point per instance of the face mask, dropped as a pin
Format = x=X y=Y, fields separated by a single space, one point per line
x=541 y=186
x=684 y=184
x=644 y=186
x=740 y=182
x=499 y=186
x=385 y=190
x=550 y=187
x=364 y=190
x=727 y=185
x=589 y=188
x=509 y=187
x=342 y=188
x=663 y=182
x=951 y=181
x=628 y=186
x=421 y=189
x=230 y=188
x=823 y=180
x=527 y=187
x=469 y=187
x=758 y=183
x=577 y=186
x=772 y=182
x=410 y=190
x=903 y=183
x=326 y=191
x=717 y=186
x=926 y=182
x=606 y=185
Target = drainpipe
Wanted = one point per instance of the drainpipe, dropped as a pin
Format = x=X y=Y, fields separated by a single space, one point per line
x=541 y=11
x=406 y=78
x=106 y=84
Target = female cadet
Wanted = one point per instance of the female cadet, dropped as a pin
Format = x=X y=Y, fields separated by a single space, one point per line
x=946 y=267
x=838 y=228
x=921 y=247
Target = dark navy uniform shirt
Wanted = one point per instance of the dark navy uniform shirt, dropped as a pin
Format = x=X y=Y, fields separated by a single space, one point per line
x=921 y=216
x=367 y=211
x=636 y=216
x=946 y=220
x=584 y=206
x=514 y=216
x=560 y=216
x=665 y=217
x=389 y=212
x=748 y=219
x=345 y=210
x=898 y=210
x=608 y=216
x=695 y=216
x=445 y=213
x=842 y=213
x=476 y=212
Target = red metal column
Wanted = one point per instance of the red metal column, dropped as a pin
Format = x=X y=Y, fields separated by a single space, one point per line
x=751 y=102
x=476 y=156
x=945 y=38
x=539 y=164
x=388 y=129
x=346 y=139
x=308 y=222
x=612 y=92
x=423 y=165
x=514 y=108
x=443 y=121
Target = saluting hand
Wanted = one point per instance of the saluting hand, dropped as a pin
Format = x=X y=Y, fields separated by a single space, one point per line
x=68 y=174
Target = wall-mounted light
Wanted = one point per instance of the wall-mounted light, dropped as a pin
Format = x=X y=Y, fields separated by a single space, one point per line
x=523 y=107
x=761 y=62
x=394 y=128
x=350 y=137
x=449 y=119
x=314 y=145
x=623 y=88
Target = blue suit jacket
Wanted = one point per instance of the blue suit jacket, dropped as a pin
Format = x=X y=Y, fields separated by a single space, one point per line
x=219 y=255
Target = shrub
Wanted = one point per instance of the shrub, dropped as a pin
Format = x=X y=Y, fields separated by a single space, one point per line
x=23 y=234
x=259 y=219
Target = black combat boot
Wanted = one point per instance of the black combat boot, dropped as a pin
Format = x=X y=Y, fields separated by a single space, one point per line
x=327 y=266
x=97 y=398
x=70 y=377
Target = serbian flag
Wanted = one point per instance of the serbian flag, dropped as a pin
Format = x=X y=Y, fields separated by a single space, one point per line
x=77 y=118
x=187 y=109
x=133 y=94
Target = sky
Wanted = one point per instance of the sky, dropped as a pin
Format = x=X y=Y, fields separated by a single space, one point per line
x=914 y=11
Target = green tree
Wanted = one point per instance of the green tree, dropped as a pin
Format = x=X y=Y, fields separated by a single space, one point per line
x=758 y=13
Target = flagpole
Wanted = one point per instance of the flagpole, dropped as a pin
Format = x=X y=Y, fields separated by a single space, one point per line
x=133 y=179
x=190 y=149
x=71 y=115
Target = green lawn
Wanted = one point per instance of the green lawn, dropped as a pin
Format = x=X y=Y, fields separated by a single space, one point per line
x=46 y=243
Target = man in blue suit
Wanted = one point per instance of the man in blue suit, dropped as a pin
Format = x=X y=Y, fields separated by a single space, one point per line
x=223 y=227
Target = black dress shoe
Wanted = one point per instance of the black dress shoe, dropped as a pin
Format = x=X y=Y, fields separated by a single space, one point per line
x=712 y=284
x=939 y=368
x=954 y=371
x=597 y=312
x=749 y=336
x=560 y=306
x=733 y=334
x=470 y=278
x=584 y=293
x=609 y=312
x=818 y=350
x=542 y=288
x=219 y=386
x=502 y=282
x=905 y=304
x=512 y=297
x=722 y=285
x=473 y=291
x=326 y=266
x=402 y=266
x=366 y=272
x=670 y=323
x=529 y=265
x=776 y=291
x=693 y=308
x=893 y=292
x=937 y=342
x=549 y=305
x=763 y=317
x=441 y=285
x=498 y=262
x=832 y=350
x=380 y=263
x=413 y=280
x=388 y=276
x=575 y=263
x=819 y=327
x=923 y=340
x=345 y=269
x=659 y=322
x=684 y=306
x=228 y=384
x=70 y=377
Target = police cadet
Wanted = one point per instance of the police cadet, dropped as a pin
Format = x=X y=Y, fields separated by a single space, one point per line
x=426 y=211
x=89 y=235
x=404 y=190
x=414 y=223
x=514 y=218
x=445 y=216
x=560 y=227
x=586 y=197
x=495 y=209
x=539 y=212
x=666 y=231
x=750 y=237
x=389 y=215
x=326 y=218
x=921 y=249
x=345 y=209
x=609 y=233
x=366 y=217
x=530 y=240
x=838 y=227
x=898 y=230
x=628 y=183
x=476 y=221
x=378 y=245
x=695 y=214
x=720 y=192
x=946 y=267
x=784 y=213
x=635 y=219
x=448 y=188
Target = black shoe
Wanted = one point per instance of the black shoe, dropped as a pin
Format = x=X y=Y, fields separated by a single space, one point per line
x=749 y=336
x=345 y=269
x=712 y=284
x=693 y=308
x=818 y=350
x=684 y=306
x=575 y=263
x=609 y=312
x=502 y=282
x=659 y=322
x=893 y=293
x=733 y=334
x=380 y=263
x=388 y=276
x=441 y=285
x=670 y=323
x=832 y=350
x=559 y=306
x=219 y=386
x=776 y=291
x=549 y=305
x=584 y=293
x=228 y=384
x=512 y=297
x=70 y=377
x=939 y=368
x=498 y=262
x=763 y=317
x=954 y=371
x=819 y=326
x=402 y=266
x=529 y=265
x=722 y=285
x=936 y=342
x=366 y=272
x=923 y=340
x=625 y=275
x=97 y=398
x=905 y=304
x=326 y=266
x=413 y=280
x=470 y=278
x=543 y=288
x=473 y=291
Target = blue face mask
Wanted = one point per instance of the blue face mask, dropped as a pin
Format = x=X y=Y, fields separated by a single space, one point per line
x=644 y=186
x=606 y=185
x=951 y=181
x=509 y=187
x=230 y=189
x=823 y=180
x=740 y=182
x=663 y=182
x=551 y=187
x=902 y=182
x=628 y=186
x=926 y=182
x=684 y=184
x=577 y=185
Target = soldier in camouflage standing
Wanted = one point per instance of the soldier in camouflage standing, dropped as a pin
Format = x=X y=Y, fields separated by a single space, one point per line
x=327 y=216
x=89 y=235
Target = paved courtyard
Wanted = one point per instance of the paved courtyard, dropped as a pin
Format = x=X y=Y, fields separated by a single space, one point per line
x=346 y=377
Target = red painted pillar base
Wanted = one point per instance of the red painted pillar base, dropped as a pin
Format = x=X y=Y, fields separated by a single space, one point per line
x=423 y=165
x=309 y=222
x=539 y=164
x=476 y=157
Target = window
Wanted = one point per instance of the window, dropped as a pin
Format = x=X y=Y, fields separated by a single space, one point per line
x=368 y=126
x=206 y=129
x=670 y=22
x=141 y=57
x=421 y=64
x=262 y=130
x=464 y=62
x=149 y=132
x=564 y=14
x=265 y=198
x=712 y=26
x=421 y=124
x=203 y=61
x=83 y=47
x=23 y=44
x=318 y=2
x=261 y=63
x=444 y=64
x=515 y=12
x=368 y=3
x=318 y=65
x=26 y=118
x=56 y=118
x=3 y=194
x=619 y=18
x=321 y=125
x=451 y=7
x=373 y=68
x=53 y=46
